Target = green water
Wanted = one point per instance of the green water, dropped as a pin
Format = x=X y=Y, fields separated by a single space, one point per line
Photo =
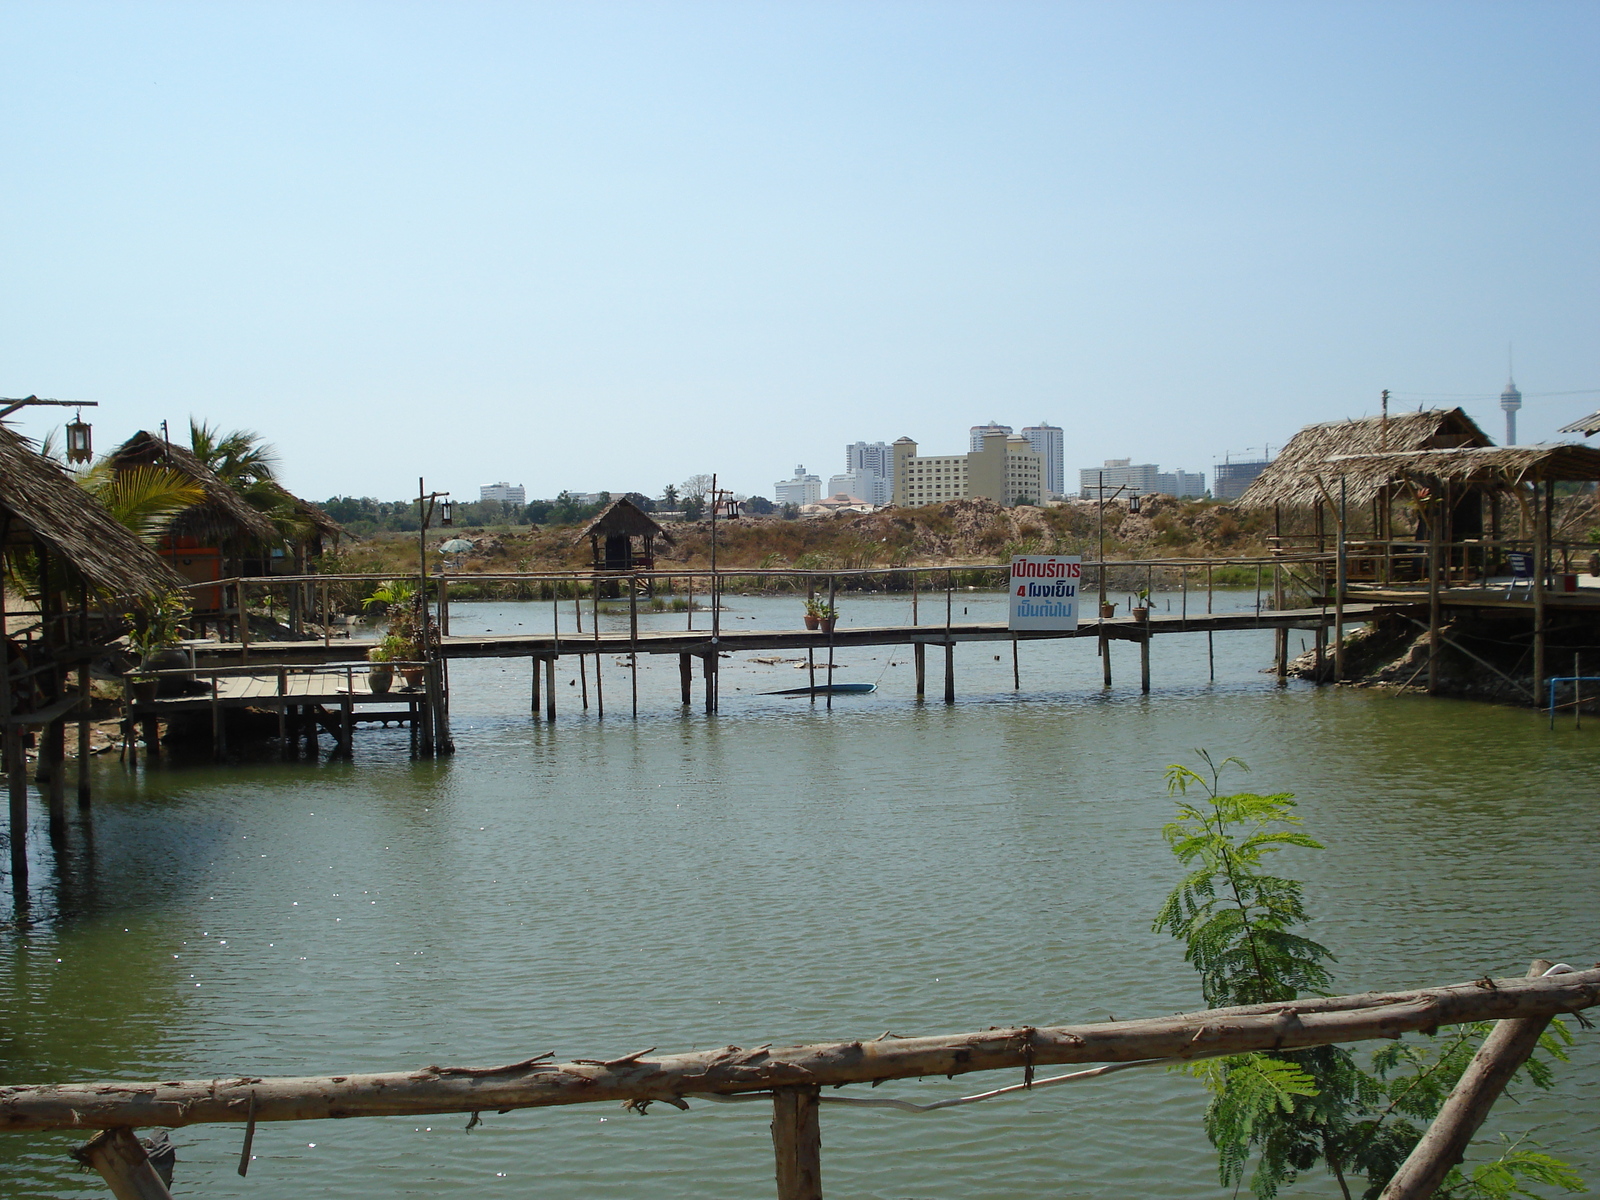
x=778 y=873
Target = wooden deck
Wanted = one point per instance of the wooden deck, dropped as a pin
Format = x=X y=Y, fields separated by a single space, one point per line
x=699 y=641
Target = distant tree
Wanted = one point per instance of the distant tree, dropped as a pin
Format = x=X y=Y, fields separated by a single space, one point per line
x=759 y=505
x=538 y=511
x=696 y=487
x=694 y=507
x=790 y=512
x=640 y=501
x=669 y=498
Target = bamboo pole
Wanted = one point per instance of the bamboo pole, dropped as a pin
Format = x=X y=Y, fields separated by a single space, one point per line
x=797 y=1143
x=1509 y=1044
x=1291 y=1025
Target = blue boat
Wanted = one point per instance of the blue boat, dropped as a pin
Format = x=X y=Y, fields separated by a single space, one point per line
x=823 y=689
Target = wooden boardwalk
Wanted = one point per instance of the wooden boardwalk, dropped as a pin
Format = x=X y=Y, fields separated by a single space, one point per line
x=699 y=641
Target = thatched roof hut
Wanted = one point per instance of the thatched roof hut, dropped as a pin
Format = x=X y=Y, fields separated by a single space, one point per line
x=1501 y=468
x=221 y=518
x=1305 y=472
x=617 y=525
x=41 y=505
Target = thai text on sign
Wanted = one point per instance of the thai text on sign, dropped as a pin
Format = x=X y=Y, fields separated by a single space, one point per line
x=1044 y=591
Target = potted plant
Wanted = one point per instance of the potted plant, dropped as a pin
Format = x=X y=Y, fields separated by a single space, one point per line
x=814 y=609
x=404 y=636
x=827 y=614
x=380 y=675
x=143 y=687
x=156 y=630
x=1141 y=610
x=1108 y=609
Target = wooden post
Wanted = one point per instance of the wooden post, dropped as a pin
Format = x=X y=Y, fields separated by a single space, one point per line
x=686 y=678
x=1144 y=660
x=1541 y=550
x=1509 y=1044
x=633 y=640
x=327 y=624
x=240 y=598
x=1435 y=516
x=218 y=728
x=708 y=667
x=919 y=659
x=1016 y=668
x=1338 y=592
x=17 y=787
x=347 y=724
x=1105 y=658
x=949 y=672
x=533 y=701
x=797 y=1142
x=599 y=686
x=550 y=690
x=123 y=1164
x=833 y=591
x=53 y=747
x=84 y=699
x=1280 y=636
x=1211 y=646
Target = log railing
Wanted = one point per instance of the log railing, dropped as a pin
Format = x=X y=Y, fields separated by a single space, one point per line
x=793 y=1076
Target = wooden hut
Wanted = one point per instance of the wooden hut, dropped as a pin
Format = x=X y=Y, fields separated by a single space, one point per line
x=211 y=540
x=87 y=568
x=611 y=537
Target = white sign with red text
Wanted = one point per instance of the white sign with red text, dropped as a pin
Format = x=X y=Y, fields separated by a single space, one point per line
x=1044 y=591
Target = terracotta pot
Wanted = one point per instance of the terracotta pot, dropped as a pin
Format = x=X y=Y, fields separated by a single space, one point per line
x=171 y=659
x=813 y=622
x=1141 y=616
x=144 y=691
x=827 y=624
x=1108 y=610
x=380 y=678
x=412 y=676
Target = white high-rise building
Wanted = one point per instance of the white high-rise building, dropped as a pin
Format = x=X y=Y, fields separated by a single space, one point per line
x=868 y=472
x=1046 y=440
x=1121 y=473
x=503 y=492
x=1182 y=484
x=802 y=489
x=979 y=432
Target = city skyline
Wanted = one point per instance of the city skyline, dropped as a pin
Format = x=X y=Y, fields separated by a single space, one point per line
x=441 y=234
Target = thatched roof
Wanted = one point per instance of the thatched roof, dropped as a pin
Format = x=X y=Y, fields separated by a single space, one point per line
x=623 y=516
x=1489 y=466
x=40 y=503
x=1588 y=426
x=1302 y=475
x=222 y=516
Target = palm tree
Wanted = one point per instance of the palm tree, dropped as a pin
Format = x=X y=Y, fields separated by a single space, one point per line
x=145 y=499
x=240 y=458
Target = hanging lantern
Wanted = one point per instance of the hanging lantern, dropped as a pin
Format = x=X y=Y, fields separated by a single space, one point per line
x=446 y=516
x=1133 y=503
x=80 y=447
x=730 y=509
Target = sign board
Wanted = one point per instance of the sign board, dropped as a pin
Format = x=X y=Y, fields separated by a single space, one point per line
x=1044 y=591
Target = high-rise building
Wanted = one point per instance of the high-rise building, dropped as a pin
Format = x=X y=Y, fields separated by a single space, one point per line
x=1510 y=402
x=504 y=493
x=1229 y=479
x=802 y=489
x=978 y=432
x=1045 y=439
x=1182 y=484
x=1132 y=478
x=870 y=466
x=1006 y=469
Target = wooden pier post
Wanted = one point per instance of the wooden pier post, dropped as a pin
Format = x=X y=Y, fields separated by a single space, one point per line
x=797 y=1142
x=1211 y=646
x=708 y=669
x=347 y=725
x=550 y=690
x=533 y=686
x=1016 y=668
x=833 y=591
x=686 y=678
x=1435 y=518
x=949 y=672
x=633 y=640
x=219 y=731
x=1144 y=661
x=599 y=687
x=17 y=789
x=121 y=1161
x=53 y=749
x=1541 y=551
x=1340 y=567
x=919 y=659
x=84 y=702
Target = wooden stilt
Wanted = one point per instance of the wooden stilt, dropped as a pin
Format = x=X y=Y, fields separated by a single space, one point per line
x=1541 y=552
x=347 y=724
x=84 y=701
x=811 y=673
x=121 y=1161
x=1016 y=668
x=1509 y=1044
x=797 y=1142
x=708 y=668
x=1144 y=662
x=1105 y=660
x=1435 y=518
x=218 y=726
x=599 y=685
x=17 y=789
x=949 y=672
x=550 y=690
x=533 y=699
x=833 y=591
x=686 y=678
x=53 y=748
x=919 y=659
x=633 y=642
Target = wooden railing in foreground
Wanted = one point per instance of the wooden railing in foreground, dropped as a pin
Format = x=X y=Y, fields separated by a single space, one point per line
x=794 y=1076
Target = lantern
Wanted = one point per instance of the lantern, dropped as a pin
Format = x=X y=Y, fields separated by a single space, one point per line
x=80 y=448
x=445 y=515
x=1133 y=503
x=730 y=509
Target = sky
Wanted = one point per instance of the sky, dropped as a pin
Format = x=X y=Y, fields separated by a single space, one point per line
x=605 y=246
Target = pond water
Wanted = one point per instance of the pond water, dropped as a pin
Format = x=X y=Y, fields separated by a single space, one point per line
x=780 y=872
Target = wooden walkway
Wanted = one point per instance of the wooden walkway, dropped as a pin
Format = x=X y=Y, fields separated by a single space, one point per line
x=699 y=641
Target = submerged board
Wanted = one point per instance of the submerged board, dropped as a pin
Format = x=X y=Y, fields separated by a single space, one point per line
x=822 y=689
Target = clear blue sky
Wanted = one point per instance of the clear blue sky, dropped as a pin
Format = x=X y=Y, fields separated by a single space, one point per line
x=608 y=245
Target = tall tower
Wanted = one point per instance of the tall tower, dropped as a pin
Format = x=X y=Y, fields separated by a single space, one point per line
x=1510 y=401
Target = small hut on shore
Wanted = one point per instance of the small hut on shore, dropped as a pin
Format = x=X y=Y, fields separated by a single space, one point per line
x=208 y=541
x=611 y=537
x=79 y=569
